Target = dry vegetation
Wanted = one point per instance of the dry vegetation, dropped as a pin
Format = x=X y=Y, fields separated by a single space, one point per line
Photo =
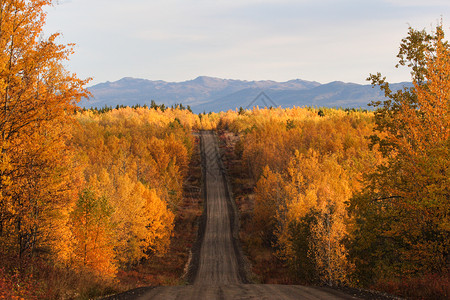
x=170 y=268
x=97 y=201
x=265 y=266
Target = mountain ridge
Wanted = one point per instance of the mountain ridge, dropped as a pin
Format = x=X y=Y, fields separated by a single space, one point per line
x=206 y=93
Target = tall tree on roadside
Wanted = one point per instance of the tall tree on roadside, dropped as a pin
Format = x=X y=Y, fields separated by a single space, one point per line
x=268 y=195
x=37 y=99
x=92 y=229
x=313 y=225
x=403 y=225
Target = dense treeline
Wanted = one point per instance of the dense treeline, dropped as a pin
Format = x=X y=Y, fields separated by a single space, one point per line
x=153 y=105
x=134 y=163
x=92 y=192
x=123 y=182
x=81 y=192
x=341 y=208
x=306 y=166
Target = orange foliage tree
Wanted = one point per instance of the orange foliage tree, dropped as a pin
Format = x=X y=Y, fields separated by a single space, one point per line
x=37 y=101
x=313 y=225
x=136 y=159
x=306 y=164
x=403 y=215
x=92 y=229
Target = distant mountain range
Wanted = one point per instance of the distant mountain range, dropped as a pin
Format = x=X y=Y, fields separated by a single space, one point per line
x=205 y=94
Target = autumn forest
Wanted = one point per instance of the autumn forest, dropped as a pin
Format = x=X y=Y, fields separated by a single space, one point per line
x=92 y=199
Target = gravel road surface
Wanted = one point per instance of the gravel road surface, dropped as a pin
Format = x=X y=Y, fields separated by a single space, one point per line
x=218 y=274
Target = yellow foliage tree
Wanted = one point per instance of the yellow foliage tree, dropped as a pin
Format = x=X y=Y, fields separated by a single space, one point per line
x=313 y=222
x=136 y=158
x=402 y=215
x=306 y=164
x=93 y=234
x=269 y=192
x=38 y=98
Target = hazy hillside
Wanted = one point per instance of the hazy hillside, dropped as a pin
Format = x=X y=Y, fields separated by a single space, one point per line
x=215 y=94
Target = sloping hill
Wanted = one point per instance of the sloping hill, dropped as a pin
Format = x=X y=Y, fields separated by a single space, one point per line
x=215 y=94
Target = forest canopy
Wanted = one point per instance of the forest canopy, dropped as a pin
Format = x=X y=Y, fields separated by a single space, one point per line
x=339 y=197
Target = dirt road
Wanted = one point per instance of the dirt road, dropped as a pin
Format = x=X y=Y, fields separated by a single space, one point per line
x=219 y=271
x=218 y=261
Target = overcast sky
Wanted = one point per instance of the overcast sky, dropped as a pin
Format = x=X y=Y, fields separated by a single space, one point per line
x=178 y=40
